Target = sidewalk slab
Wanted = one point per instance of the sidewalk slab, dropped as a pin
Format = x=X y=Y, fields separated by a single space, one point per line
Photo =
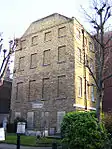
x=11 y=146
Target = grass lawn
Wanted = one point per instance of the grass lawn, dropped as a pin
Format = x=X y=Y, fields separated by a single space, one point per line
x=31 y=140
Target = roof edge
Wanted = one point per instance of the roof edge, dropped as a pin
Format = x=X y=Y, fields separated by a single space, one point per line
x=51 y=16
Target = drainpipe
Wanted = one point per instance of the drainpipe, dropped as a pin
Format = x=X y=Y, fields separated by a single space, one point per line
x=84 y=59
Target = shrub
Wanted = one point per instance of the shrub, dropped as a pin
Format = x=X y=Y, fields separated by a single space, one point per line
x=81 y=130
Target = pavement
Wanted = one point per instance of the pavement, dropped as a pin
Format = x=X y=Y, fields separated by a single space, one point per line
x=11 y=146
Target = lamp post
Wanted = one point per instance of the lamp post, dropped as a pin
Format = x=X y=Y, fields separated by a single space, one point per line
x=4 y=51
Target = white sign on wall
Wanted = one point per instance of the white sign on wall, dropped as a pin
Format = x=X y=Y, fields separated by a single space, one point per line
x=2 y=134
x=37 y=105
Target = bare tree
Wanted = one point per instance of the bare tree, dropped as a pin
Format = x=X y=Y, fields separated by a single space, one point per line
x=5 y=55
x=102 y=14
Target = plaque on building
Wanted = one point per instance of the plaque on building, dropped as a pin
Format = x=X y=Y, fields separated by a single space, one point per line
x=37 y=105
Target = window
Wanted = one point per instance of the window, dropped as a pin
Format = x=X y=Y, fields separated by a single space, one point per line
x=48 y=36
x=78 y=34
x=62 y=32
x=91 y=65
x=62 y=53
x=30 y=120
x=61 y=86
x=46 y=57
x=45 y=114
x=23 y=44
x=33 y=62
x=87 y=89
x=92 y=93
x=34 y=40
x=45 y=89
x=79 y=55
x=90 y=46
x=60 y=116
x=32 y=90
x=79 y=86
x=21 y=63
x=19 y=95
x=85 y=40
x=45 y=120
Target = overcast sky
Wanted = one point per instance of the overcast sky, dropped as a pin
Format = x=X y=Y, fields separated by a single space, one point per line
x=16 y=15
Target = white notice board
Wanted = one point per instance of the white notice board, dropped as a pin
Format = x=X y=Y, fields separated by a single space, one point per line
x=21 y=127
x=2 y=134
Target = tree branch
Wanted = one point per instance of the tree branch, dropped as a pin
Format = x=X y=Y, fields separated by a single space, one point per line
x=106 y=17
x=92 y=75
x=90 y=18
x=5 y=67
x=110 y=38
x=107 y=77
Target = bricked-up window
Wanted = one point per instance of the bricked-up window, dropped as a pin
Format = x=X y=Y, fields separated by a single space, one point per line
x=79 y=86
x=21 y=63
x=78 y=33
x=46 y=57
x=61 y=86
x=79 y=54
x=32 y=90
x=33 y=62
x=19 y=95
x=45 y=89
x=34 y=40
x=48 y=36
x=62 y=32
x=23 y=44
x=62 y=53
x=91 y=65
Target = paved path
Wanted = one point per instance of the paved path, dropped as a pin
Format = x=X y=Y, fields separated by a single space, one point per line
x=11 y=146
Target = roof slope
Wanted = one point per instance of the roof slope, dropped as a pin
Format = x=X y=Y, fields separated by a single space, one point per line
x=46 y=22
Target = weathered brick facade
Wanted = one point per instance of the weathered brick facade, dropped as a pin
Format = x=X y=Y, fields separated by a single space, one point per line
x=44 y=72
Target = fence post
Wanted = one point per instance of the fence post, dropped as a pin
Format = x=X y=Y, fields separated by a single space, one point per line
x=54 y=145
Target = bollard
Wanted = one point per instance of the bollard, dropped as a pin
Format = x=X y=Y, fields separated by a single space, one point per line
x=18 y=141
x=54 y=145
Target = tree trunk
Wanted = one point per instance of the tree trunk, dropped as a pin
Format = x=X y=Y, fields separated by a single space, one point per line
x=98 y=105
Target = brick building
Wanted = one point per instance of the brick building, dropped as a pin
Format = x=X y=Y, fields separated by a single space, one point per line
x=107 y=101
x=5 y=96
x=49 y=72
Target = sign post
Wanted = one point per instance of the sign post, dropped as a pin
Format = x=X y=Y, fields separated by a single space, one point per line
x=2 y=134
x=20 y=130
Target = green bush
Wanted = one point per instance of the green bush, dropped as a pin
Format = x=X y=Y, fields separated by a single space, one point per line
x=81 y=130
